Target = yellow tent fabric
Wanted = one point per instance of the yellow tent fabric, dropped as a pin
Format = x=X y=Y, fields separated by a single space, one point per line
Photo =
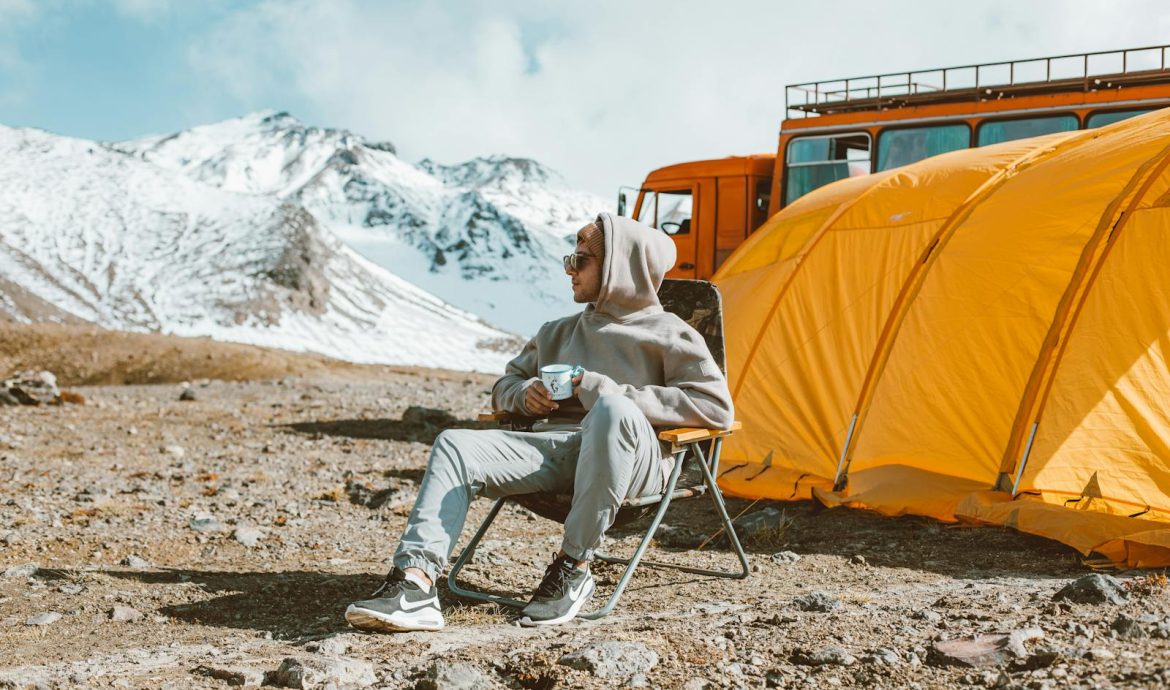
x=931 y=338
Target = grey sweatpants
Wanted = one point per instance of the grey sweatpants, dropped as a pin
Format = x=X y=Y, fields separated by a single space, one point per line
x=615 y=455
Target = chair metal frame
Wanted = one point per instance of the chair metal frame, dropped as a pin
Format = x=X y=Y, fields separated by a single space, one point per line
x=686 y=445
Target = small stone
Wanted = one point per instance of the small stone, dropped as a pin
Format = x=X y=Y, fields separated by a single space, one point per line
x=137 y=562
x=833 y=655
x=445 y=676
x=983 y=650
x=43 y=618
x=612 y=659
x=321 y=672
x=23 y=570
x=785 y=557
x=205 y=523
x=248 y=535
x=883 y=656
x=638 y=680
x=237 y=676
x=758 y=523
x=1100 y=654
x=817 y=601
x=857 y=560
x=175 y=451
x=187 y=395
x=71 y=588
x=928 y=615
x=125 y=614
x=335 y=645
x=697 y=684
x=1093 y=589
x=1127 y=628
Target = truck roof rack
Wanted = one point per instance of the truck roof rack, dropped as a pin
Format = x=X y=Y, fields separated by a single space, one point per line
x=1082 y=72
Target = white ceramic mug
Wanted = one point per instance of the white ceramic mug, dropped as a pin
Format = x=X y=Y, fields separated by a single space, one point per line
x=558 y=379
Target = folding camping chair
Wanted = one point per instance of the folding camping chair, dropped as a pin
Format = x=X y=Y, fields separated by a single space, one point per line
x=694 y=472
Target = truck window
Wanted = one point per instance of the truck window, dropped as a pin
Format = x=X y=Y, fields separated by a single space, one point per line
x=1108 y=118
x=813 y=162
x=1010 y=130
x=668 y=211
x=898 y=147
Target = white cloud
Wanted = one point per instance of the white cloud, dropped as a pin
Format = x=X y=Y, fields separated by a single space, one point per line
x=621 y=87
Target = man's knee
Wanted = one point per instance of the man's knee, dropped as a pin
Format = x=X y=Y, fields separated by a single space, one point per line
x=610 y=411
x=446 y=448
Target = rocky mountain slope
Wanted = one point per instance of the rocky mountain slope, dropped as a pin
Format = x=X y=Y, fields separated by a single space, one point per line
x=94 y=233
x=485 y=236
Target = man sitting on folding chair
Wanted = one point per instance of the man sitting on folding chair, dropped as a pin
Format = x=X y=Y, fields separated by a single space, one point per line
x=640 y=368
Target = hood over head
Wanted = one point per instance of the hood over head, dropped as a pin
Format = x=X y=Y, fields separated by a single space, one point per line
x=637 y=258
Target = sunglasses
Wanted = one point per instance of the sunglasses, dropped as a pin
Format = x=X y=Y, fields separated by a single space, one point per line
x=576 y=261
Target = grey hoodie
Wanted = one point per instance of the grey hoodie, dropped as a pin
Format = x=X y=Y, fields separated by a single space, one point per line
x=626 y=343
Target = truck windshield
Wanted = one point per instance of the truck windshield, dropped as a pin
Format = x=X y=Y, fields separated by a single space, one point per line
x=898 y=147
x=813 y=162
x=668 y=211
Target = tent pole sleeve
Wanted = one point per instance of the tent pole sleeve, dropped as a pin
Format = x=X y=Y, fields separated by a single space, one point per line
x=844 y=453
x=1024 y=459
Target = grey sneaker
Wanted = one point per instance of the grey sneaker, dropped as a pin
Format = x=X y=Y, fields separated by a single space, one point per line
x=397 y=605
x=561 y=594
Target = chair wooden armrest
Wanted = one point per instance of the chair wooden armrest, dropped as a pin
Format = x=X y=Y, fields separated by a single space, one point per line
x=494 y=416
x=685 y=435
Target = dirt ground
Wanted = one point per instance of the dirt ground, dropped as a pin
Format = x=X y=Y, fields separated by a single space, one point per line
x=230 y=532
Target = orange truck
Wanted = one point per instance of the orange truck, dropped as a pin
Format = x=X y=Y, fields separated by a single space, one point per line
x=856 y=126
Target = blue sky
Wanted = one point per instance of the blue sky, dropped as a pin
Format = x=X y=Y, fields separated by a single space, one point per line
x=600 y=91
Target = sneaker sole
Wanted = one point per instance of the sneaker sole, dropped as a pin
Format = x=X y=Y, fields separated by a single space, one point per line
x=366 y=619
x=569 y=615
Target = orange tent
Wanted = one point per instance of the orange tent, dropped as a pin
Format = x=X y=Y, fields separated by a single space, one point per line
x=983 y=336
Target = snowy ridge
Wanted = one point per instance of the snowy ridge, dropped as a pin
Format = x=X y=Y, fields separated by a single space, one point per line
x=95 y=233
x=485 y=235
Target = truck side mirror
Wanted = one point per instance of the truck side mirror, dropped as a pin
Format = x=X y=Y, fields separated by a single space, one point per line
x=621 y=209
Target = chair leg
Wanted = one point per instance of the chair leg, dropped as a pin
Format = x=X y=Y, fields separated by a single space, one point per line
x=632 y=562
x=724 y=517
x=465 y=557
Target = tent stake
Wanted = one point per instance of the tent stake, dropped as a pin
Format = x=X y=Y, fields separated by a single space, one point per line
x=844 y=451
x=1024 y=459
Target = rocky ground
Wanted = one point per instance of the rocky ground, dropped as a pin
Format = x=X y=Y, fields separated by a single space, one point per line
x=151 y=542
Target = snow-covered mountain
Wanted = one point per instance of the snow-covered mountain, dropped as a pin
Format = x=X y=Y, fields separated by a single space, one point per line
x=485 y=236
x=92 y=233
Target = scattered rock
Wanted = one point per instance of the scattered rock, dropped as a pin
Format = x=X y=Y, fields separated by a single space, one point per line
x=336 y=645
x=23 y=570
x=612 y=659
x=857 y=560
x=444 y=676
x=32 y=388
x=71 y=588
x=928 y=615
x=1100 y=654
x=187 y=395
x=7 y=398
x=758 y=523
x=1093 y=589
x=43 y=618
x=248 y=535
x=205 y=523
x=697 y=684
x=833 y=655
x=362 y=494
x=237 y=676
x=982 y=651
x=320 y=672
x=125 y=614
x=175 y=451
x=1127 y=628
x=638 y=680
x=136 y=562
x=884 y=656
x=785 y=557
x=817 y=601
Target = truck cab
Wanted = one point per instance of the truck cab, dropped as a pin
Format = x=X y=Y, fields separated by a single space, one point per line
x=707 y=207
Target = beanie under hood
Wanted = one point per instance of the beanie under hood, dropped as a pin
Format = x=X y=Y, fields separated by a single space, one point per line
x=637 y=258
